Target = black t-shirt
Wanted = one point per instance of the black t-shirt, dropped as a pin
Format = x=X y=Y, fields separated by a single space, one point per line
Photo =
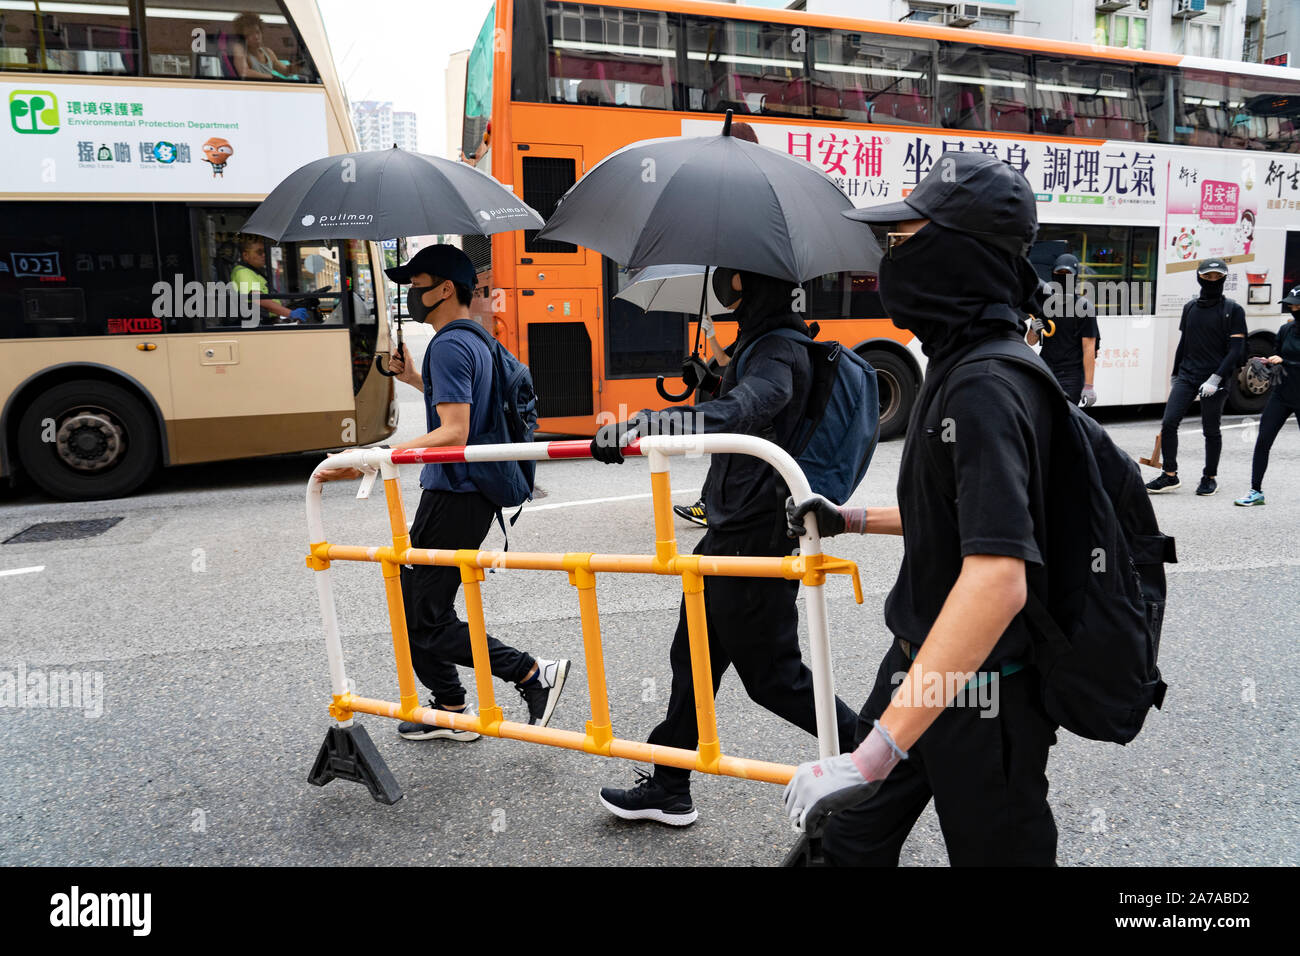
x=1207 y=333
x=1063 y=350
x=973 y=480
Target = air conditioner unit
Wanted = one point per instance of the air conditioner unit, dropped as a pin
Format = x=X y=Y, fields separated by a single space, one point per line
x=1186 y=9
x=964 y=15
x=1110 y=6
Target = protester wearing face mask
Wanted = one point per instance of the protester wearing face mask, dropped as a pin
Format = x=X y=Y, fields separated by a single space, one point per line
x=752 y=622
x=1071 y=350
x=456 y=381
x=1283 y=398
x=972 y=508
x=1209 y=351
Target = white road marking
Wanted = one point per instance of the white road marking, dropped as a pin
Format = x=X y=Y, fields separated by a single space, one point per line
x=529 y=509
x=11 y=571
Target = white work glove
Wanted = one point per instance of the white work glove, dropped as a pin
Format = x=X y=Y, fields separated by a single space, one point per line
x=834 y=783
x=1088 y=397
x=706 y=326
x=1037 y=324
x=1210 y=386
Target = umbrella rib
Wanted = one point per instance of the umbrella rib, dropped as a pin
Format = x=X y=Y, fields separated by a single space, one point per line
x=785 y=221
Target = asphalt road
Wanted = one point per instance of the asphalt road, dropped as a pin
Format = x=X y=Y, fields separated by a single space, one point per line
x=199 y=617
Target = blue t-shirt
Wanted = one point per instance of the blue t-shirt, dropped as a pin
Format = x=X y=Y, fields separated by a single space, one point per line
x=457 y=370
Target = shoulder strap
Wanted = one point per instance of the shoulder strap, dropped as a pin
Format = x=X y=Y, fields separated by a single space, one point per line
x=470 y=326
x=793 y=335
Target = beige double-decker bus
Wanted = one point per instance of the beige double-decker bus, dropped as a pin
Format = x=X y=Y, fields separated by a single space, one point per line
x=139 y=137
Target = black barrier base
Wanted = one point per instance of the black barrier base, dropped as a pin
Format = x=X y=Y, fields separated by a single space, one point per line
x=348 y=753
x=807 y=852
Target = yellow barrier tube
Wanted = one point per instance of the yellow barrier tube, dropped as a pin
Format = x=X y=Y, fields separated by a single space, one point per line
x=599 y=728
x=697 y=630
x=470 y=575
x=392 y=570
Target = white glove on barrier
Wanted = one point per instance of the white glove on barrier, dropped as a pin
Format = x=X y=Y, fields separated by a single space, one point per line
x=706 y=326
x=834 y=783
x=1210 y=386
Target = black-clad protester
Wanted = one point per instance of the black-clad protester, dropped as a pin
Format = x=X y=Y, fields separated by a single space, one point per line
x=972 y=501
x=1283 y=399
x=752 y=622
x=1210 y=349
x=1071 y=350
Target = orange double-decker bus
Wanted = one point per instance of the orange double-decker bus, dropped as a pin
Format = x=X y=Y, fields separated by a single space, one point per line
x=1141 y=162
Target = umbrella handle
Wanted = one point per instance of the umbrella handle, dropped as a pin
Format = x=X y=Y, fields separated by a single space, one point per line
x=659 y=384
x=379 y=362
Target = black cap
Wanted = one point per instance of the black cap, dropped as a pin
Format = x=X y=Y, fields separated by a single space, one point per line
x=1292 y=297
x=442 y=262
x=1212 y=265
x=1066 y=263
x=974 y=193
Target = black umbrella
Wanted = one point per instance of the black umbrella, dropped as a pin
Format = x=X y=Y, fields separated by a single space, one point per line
x=717 y=200
x=388 y=194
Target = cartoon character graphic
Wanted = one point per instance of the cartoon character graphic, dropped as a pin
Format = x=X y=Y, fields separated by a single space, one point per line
x=217 y=152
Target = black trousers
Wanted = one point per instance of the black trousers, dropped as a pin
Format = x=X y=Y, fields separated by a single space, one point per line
x=440 y=639
x=753 y=624
x=1270 y=425
x=1071 y=381
x=1181 y=396
x=986 y=774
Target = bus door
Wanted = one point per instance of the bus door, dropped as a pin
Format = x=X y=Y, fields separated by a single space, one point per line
x=559 y=317
x=253 y=381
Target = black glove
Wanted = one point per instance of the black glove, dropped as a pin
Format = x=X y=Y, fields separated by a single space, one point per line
x=607 y=446
x=830 y=521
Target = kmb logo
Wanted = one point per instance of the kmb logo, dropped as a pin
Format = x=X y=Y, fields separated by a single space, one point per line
x=134 y=326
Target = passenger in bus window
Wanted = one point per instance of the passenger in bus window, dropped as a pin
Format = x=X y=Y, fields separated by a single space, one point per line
x=1283 y=399
x=1070 y=343
x=1209 y=351
x=253 y=59
x=249 y=275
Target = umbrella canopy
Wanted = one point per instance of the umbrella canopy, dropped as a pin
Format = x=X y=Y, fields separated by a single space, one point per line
x=385 y=194
x=670 y=288
x=714 y=199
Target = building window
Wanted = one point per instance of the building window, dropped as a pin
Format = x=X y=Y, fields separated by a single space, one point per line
x=1121 y=29
x=1202 y=36
x=995 y=21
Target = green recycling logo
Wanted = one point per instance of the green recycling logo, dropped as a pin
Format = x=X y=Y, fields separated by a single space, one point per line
x=34 y=111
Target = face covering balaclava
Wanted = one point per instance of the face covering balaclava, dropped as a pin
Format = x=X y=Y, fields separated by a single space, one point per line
x=1211 y=291
x=415 y=303
x=939 y=283
x=766 y=303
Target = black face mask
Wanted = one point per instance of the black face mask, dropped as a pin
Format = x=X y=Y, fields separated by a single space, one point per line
x=940 y=284
x=1211 y=290
x=415 y=304
x=722 y=287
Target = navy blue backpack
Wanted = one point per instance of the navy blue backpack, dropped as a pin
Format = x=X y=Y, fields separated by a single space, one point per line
x=842 y=423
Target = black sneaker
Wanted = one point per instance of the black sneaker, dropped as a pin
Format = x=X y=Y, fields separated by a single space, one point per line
x=1163 y=483
x=410 y=730
x=1207 y=487
x=695 y=513
x=542 y=695
x=649 y=800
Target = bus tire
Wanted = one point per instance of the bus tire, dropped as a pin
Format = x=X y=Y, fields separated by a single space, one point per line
x=87 y=439
x=1241 y=401
x=897 y=385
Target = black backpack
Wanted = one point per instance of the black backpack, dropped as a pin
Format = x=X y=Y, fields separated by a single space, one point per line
x=1097 y=629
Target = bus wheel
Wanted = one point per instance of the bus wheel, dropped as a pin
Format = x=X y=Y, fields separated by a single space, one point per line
x=87 y=439
x=897 y=387
x=1241 y=400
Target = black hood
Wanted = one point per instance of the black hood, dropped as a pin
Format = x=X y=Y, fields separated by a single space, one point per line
x=766 y=303
x=940 y=283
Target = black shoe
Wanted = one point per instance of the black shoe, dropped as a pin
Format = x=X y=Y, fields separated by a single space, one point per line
x=1162 y=483
x=695 y=513
x=542 y=695
x=649 y=800
x=1208 y=486
x=410 y=730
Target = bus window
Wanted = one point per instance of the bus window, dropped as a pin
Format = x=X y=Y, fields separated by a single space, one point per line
x=606 y=56
x=1118 y=263
x=865 y=78
x=360 y=283
x=235 y=40
x=71 y=269
x=639 y=344
x=744 y=66
x=94 y=36
x=983 y=89
x=1088 y=98
x=844 y=295
x=1158 y=88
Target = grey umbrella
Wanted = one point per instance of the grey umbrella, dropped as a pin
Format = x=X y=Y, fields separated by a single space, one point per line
x=387 y=193
x=714 y=199
x=672 y=288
